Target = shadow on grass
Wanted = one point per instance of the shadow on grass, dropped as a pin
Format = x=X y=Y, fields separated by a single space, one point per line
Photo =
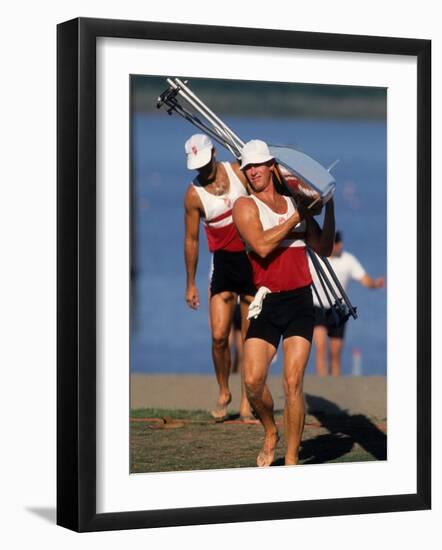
x=345 y=431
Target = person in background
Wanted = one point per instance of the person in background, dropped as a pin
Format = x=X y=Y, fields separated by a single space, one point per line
x=209 y=199
x=347 y=267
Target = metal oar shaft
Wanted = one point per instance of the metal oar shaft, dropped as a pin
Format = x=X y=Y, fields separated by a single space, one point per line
x=322 y=277
x=175 y=106
x=218 y=128
x=202 y=126
x=315 y=290
x=213 y=120
x=340 y=288
x=189 y=92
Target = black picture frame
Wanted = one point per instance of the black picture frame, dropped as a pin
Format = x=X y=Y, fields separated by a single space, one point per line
x=77 y=287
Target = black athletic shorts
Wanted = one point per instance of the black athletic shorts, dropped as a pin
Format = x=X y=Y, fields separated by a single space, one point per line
x=232 y=271
x=324 y=318
x=287 y=313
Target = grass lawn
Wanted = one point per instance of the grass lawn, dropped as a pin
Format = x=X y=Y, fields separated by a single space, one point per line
x=178 y=440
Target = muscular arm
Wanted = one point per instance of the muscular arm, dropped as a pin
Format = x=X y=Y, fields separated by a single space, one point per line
x=321 y=240
x=246 y=219
x=191 y=245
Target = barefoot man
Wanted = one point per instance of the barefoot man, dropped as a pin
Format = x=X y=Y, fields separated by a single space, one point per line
x=276 y=232
x=210 y=198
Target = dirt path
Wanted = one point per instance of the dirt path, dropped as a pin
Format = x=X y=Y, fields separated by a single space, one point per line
x=355 y=395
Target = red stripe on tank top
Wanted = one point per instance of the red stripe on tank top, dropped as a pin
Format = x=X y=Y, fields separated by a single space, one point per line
x=220 y=217
x=224 y=238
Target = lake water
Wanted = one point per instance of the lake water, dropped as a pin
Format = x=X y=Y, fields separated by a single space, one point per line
x=166 y=336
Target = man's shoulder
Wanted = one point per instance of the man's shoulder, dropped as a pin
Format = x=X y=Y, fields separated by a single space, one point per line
x=191 y=190
x=245 y=202
x=191 y=197
x=194 y=183
x=244 y=206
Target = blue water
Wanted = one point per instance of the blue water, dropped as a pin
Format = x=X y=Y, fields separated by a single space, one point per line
x=168 y=337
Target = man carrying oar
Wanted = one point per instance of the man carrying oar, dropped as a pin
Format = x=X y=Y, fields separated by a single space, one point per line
x=277 y=231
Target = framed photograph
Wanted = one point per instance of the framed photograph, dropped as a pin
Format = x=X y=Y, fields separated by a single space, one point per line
x=139 y=445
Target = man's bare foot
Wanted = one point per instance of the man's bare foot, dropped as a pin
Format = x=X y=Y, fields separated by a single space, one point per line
x=267 y=454
x=246 y=413
x=290 y=461
x=220 y=411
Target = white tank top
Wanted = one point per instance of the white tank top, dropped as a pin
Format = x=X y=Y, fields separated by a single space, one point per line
x=217 y=220
x=217 y=205
x=269 y=219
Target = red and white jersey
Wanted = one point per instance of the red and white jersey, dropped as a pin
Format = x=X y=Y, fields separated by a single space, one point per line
x=286 y=267
x=217 y=220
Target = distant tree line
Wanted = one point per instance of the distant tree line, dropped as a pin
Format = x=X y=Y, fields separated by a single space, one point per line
x=269 y=99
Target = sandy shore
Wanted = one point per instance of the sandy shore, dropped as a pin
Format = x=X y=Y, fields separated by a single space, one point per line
x=365 y=395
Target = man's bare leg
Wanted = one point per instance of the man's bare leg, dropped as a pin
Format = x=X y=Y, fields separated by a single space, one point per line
x=296 y=353
x=245 y=411
x=258 y=355
x=221 y=313
x=234 y=336
x=336 y=345
x=237 y=343
x=320 y=341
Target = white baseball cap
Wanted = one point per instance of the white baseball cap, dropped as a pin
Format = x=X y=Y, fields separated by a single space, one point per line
x=255 y=151
x=199 y=151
